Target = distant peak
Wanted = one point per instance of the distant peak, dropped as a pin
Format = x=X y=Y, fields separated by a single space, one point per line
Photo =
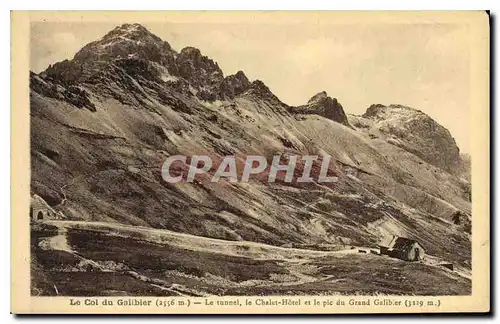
x=124 y=41
x=194 y=55
x=241 y=75
x=132 y=31
x=323 y=105
x=234 y=84
x=379 y=110
x=261 y=90
x=131 y=27
x=191 y=51
x=259 y=85
x=318 y=97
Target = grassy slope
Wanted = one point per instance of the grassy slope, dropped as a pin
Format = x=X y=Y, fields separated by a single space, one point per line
x=206 y=266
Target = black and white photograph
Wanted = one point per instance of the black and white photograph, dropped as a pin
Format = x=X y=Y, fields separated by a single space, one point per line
x=204 y=155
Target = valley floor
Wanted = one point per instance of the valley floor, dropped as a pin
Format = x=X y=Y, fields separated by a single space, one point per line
x=73 y=258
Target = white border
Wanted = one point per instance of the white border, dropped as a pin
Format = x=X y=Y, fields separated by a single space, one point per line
x=212 y=5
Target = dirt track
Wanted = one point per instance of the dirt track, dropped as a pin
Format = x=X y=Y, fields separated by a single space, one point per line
x=293 y=267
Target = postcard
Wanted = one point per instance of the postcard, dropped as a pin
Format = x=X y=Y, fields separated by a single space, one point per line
x=250 y=162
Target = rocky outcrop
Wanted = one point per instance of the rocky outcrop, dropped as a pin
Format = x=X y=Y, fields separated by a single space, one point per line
x=199 y=70
x=72 y=94
x=260 y=90
x=234 y=85
x=323 y=105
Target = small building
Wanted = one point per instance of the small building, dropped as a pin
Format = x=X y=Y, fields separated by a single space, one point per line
x=404 y=248
x=40 y=210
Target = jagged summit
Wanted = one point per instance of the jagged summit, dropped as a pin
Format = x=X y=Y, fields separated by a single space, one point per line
x=323 y=105
x=261 y=87
x=318 y=97
x=198 y=69
x=258 y=89
x=234 y=85
x=131 y=49
x=127 y=41
x=191 y=51
x=130 y=31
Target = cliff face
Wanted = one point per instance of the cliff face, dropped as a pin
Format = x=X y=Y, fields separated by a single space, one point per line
x=103 y=123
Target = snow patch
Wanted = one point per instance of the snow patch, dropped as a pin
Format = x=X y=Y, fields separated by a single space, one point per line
x=165 y=77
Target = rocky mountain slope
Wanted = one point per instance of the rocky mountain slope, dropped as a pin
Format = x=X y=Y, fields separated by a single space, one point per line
x=103 y=123
x=413 y=131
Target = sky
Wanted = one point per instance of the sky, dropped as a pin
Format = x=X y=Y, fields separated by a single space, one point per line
x=424 y=66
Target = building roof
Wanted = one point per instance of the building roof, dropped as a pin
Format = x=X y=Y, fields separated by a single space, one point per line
x=38 y=202
x=404 y=244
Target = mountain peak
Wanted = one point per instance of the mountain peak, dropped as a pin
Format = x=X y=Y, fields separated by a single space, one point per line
x=130 y=32
x=240 y=75
x=125 y=41
x=323 y=105
x=191 y=51
x=381 y=111
x=234 y=85
x=318 y=97
x=128 y=29
x=261 y=90
x=417 y=133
